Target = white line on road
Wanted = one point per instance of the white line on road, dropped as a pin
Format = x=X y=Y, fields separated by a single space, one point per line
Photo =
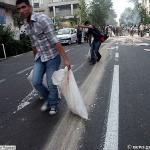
x=26 y=101
x=117 y=55
x=142 y=44
x=117 y=47
x=3 y=80
x=68 y=50
x=111 y=141
x=148 y=50
x=18 y=55
x=111 y=48
x=79 y=67
x=22 y=71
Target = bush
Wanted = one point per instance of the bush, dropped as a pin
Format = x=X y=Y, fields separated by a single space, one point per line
x=12 y=46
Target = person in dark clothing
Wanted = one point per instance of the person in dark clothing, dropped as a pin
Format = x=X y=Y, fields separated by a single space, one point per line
x=79 y=35
x=95 y=44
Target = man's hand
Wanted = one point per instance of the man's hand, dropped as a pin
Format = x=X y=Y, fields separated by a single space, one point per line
x=66 y=63
x=63 y=54
x=34 y=51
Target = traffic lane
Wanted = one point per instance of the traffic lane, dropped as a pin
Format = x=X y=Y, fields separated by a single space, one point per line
x=15 y=64
x=29 y=128
x=20 y=63
x=16 y=88
x=134 y=96
x=12 y=92
x=12 y=122
x=79 y=61
x=95 y=128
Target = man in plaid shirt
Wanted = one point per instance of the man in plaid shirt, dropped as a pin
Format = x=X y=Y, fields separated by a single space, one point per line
x=47 y=51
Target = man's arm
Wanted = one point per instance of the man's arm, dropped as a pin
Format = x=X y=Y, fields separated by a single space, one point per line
x=62 y=52
x=34 y=51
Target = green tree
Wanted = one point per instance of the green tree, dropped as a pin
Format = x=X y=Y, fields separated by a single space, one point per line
x=111 y=18
x=82 y=11
x=18 y=20
x=145 y=18
x=99 y=11
x=141 y=11
x=130 y=17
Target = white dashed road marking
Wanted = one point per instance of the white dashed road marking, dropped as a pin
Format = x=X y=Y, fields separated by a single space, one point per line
x=68 y=50
x=142 y=44
x=22 y=71
x=3 y=80
x=117 y=55
x=148 y=50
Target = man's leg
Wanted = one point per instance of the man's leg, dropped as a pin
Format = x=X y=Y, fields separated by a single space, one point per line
x=97 y=46
x=37 y=79
x=93 y=61
x=51 y=66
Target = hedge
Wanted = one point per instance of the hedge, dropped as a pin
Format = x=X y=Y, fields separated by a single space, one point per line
x=12 y=47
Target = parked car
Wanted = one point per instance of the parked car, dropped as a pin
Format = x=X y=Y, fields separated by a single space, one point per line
x=67 y=35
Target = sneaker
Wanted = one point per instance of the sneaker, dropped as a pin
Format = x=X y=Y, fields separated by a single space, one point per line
x=92 y=63
x=99 y=57
x=53 y=110
x=45 y=107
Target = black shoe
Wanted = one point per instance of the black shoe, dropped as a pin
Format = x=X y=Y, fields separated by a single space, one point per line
x=99 y=57
x=92 y=63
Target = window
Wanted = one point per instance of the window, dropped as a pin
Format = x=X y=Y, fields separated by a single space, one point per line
x=63 y=10
x=36 y=5
x=2 y=16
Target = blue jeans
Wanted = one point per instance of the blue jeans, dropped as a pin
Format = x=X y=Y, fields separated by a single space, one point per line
x=95 y=50
x=40 y=68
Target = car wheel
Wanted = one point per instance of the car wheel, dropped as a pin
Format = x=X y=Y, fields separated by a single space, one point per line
x=69 y=42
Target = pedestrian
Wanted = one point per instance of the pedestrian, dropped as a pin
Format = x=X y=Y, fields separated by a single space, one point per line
x=94 y=42
x=141 y=29
x=79 y=35
x=46 y=50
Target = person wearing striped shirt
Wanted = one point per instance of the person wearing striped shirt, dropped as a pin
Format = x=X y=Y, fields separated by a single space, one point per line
x=47 y=51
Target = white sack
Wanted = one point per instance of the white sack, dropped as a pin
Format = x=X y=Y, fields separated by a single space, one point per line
x=30 y=79
x=44 y=82
x=89 y=54
x=66 y=83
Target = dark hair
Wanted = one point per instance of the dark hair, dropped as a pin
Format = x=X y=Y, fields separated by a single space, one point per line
x=27 y=2
x=86 y=22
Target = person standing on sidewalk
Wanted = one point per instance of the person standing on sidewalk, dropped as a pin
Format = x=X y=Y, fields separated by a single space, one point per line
x=47 y=51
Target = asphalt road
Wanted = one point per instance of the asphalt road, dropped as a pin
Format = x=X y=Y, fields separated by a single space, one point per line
x=120 y=121
x=115 y=91
x=27 y=127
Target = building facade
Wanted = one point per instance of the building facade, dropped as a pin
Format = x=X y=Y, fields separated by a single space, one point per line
x=53 y=8
x=7 y=8
x=56 y=8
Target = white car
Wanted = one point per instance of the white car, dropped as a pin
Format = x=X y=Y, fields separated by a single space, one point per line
x=67 y=35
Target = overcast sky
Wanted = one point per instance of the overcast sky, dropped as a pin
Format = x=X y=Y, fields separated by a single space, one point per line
x=120 y=5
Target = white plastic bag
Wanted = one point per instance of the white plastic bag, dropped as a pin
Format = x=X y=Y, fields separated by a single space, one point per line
x=30 y=79
x=65 y=81
x=44 y=83
x=89 y=54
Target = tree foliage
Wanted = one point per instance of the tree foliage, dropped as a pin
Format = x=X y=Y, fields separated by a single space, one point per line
x=99 y=11
x=18 y=20
x=130 y=17
x=111 y=19
x=82 y=12
x=144 y=16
